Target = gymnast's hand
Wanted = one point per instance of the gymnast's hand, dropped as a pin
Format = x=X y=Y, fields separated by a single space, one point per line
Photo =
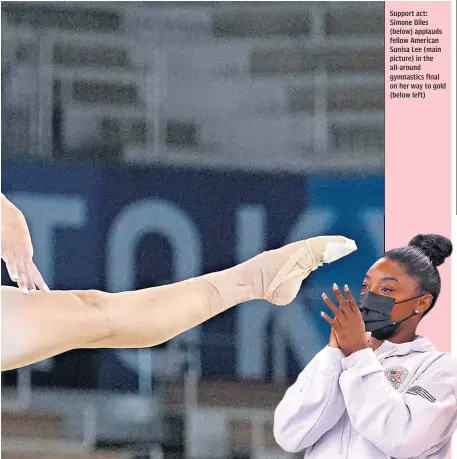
x=17 y=249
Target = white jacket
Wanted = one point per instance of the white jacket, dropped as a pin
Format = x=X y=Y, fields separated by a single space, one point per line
x=396 y=402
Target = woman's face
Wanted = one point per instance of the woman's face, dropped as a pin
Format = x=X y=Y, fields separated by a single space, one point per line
x=387 y=277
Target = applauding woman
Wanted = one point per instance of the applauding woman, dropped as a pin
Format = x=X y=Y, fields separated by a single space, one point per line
x=384 y=394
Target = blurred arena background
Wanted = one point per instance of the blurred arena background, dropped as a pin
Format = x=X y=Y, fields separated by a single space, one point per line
x=148 y=142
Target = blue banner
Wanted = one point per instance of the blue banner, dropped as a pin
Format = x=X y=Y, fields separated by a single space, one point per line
x=121 y=228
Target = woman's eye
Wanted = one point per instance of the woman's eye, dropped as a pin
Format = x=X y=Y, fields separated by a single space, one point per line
x=364 y=286
x=387 y=290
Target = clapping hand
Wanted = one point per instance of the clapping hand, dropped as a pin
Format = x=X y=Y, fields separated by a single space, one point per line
x=347 y=325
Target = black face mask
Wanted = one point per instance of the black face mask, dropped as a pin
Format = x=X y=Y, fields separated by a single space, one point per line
x=377 y=314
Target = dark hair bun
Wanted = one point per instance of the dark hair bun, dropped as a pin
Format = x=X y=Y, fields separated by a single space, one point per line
x=436 y=248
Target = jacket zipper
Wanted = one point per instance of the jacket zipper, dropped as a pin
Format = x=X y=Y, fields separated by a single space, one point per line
x=349 y=440
x=342 y=434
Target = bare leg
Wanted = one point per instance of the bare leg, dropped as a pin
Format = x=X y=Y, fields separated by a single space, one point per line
x=40 y=325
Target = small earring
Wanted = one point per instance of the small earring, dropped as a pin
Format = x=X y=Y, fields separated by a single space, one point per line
x=416 y=311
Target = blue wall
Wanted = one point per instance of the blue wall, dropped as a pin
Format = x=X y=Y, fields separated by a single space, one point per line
x=118 y=228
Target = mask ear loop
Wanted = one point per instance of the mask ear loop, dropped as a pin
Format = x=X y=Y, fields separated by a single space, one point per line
x=414 y=298
x=406 y=318
x=416 y=311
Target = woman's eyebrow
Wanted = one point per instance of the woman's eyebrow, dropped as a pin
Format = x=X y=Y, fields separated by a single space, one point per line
x=390 y=279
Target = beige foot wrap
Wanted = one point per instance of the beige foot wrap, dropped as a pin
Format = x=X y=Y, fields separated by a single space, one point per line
x=298 y=260
x=274 y=275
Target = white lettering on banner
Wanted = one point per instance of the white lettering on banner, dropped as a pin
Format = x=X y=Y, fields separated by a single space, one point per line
x=45 y=213
x=131 y=224
x=144 y=217
x=314 y=221
x=251 y=226
x=295 y=331
x=253 y=318
x=374 y=222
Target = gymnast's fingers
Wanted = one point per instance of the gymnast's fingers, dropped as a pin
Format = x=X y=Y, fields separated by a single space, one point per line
x=36 y=276
x=23 y=282
x=11 y=266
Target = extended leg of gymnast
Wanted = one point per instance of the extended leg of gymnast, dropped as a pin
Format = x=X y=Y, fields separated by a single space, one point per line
x=40 y=324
